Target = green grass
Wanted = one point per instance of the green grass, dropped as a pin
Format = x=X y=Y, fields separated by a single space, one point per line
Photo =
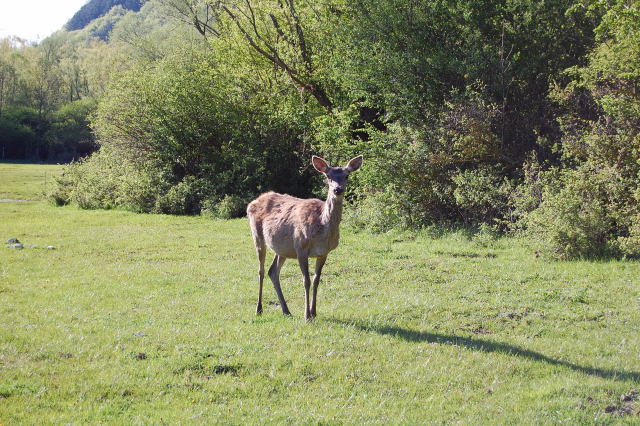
x=411 y=328
x=26 y=181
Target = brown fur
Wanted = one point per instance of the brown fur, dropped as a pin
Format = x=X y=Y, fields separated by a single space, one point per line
x=289 y=225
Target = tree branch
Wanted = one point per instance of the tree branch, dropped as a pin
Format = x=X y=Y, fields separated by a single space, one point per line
x=270 y=52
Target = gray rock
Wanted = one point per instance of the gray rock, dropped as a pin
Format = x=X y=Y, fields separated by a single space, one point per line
x=18 y=246
x=12 y=241
x=139 y=334
x=50 y=247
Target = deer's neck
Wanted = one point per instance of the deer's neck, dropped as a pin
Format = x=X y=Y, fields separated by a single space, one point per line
x=332 y=212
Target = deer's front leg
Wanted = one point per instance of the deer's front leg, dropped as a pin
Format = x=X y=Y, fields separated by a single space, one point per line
x=316 y=280
x=303 y=261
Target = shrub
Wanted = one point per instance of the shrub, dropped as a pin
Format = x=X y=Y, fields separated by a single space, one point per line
x=182 y=198
x=592 y=207
x=108 y=180
x=229 y=207
x=527 y=195
x=60 y=193
x=380 y=212
x=482 y=194
x=581 y=214
x=420 y=175
x=630 y=245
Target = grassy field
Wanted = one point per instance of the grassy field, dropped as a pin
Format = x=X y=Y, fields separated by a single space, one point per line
x=26 y=181
x=150 y=319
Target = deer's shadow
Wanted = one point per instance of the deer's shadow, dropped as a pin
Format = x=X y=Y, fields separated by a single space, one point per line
x=488 y=346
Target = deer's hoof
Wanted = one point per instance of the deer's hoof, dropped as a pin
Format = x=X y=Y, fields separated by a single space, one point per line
x=259 y=310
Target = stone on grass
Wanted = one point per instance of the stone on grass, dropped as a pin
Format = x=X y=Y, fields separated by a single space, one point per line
x=17 y=246
x=13 y=241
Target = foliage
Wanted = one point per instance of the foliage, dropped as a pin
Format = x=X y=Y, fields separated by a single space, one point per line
x=575 y=216
x=181 y=112
x=229 y=207
x=593 y=207
x=449 y=102
x=441 y=173
x=482 y=195
x=630 y=245
x=380 y=211
x=182 y=198
x=108 y=180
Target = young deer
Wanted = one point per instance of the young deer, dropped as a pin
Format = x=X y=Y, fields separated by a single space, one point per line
x=297 y=228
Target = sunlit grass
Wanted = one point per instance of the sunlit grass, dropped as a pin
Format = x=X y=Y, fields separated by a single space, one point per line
x=150 y=318
x=26 y=181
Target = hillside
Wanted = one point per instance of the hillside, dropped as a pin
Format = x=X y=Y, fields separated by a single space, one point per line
x=94 y=9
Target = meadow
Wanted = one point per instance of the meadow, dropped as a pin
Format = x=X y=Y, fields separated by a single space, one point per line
x=139 y=318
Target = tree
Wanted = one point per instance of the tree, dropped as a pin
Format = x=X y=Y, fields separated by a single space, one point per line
x=276 y=30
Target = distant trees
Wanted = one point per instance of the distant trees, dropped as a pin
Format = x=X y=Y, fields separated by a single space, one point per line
x=38 y=86
x=8 y=74
x=94 y=9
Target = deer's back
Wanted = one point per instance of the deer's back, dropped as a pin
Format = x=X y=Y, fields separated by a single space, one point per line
x=285 y=222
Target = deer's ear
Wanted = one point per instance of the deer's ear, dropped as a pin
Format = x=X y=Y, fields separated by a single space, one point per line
x=320 y=164
x=354 y=164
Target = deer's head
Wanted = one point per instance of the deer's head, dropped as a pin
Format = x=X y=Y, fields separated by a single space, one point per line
x=336 y=176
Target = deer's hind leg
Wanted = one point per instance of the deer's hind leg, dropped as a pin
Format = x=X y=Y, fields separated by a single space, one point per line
x=274 y=274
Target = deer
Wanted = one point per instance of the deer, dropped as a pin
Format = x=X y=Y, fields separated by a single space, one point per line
x=299 y=228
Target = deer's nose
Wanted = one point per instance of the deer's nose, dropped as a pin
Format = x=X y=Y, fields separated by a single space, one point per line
x=339 y=190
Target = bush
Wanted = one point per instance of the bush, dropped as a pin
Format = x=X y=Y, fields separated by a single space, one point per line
x=592 y=207
x=108 y=180
x=450 y=167
x=380 y=212
x=60 y=193
x=482 y=195
x=527 y=196
x=442 y=173
x=582 y=214
x=181 y=198
x=230 y=207
x=630 y=245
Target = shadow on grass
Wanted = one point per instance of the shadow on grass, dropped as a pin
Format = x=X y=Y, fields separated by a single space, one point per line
x=487 y=346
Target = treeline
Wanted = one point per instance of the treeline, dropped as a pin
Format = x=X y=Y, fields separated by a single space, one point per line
x=504 y=116
x=46 y=98
x=48 y=91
